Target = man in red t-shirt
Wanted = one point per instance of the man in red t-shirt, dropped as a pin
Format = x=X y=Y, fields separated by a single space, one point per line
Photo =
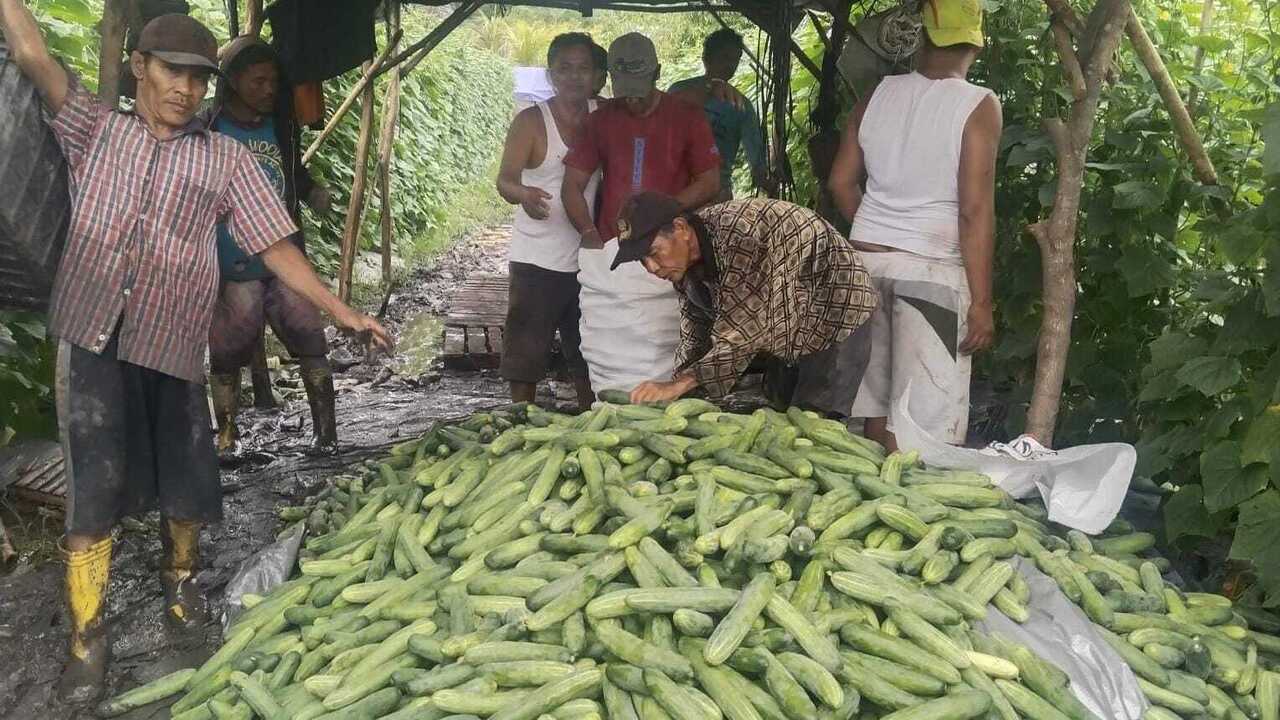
x=644 y=139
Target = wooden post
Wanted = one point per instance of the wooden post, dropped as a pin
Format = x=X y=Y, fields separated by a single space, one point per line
x=386 y=147
x=115 y=18
x=254 y=17
x=355 y=208
x=1056 y=234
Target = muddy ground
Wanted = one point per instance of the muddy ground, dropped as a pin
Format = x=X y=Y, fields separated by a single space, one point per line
x=380 y=403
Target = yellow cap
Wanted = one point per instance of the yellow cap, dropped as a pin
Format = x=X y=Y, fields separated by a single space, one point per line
x=951 y=22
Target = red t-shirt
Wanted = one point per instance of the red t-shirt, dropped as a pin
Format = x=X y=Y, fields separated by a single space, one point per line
x=662 y=151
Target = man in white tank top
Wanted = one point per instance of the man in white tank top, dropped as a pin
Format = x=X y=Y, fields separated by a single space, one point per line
x=543 y=268
x=915 y=175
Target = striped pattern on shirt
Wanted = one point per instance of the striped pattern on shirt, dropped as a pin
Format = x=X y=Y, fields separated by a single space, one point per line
x=141 y=254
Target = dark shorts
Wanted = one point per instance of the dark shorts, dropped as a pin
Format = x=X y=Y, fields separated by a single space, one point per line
x=242 y=310
x=134 y=439
x=539 y=303
x=825 y=382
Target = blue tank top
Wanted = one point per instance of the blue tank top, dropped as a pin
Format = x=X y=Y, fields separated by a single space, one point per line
x=234 y=263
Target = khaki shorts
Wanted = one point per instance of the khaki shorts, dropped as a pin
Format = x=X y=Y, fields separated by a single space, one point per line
x=915 y=335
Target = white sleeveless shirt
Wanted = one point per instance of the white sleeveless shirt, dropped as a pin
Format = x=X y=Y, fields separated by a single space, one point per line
x=910 y=137
x=551 y=243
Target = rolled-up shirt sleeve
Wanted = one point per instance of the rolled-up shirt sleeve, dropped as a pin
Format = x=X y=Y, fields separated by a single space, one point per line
x=254 y=213
x=77 y=122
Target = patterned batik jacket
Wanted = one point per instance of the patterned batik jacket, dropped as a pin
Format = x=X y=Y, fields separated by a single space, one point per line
x=783 y=281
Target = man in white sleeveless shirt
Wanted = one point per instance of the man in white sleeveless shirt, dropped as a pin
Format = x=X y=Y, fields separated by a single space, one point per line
x=543 y=296
x=925 y=146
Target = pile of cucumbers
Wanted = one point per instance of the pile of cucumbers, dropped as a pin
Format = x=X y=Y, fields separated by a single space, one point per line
x=678 y=562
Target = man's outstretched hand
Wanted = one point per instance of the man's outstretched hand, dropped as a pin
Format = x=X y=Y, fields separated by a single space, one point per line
x=369 y=330
x=654 y=391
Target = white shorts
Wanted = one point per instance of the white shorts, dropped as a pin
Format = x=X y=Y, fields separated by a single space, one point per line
x=915 y=335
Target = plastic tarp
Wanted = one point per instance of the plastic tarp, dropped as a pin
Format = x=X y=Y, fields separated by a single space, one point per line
x=1059 y=632
x=630 y=322
x=1082 y=487
x=261 y=572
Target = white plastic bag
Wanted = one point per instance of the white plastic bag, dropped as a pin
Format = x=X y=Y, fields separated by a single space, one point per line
x=630 y=322
x=1082 y=487
x=1060 y=633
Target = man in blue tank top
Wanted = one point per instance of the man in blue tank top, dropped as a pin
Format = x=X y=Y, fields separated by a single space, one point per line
x=254 y=105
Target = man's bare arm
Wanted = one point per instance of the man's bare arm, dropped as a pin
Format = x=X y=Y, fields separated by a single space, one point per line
x=849 y=168
x=704 y=188
x=287 y=262
x=32 y=54
x=572 y=191
x=978 y=148
x=515 y=156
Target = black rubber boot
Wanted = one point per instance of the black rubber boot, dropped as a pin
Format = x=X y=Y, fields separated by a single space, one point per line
x=184 y=606
x=84 y=675
x=263 y=397
x=323 y=401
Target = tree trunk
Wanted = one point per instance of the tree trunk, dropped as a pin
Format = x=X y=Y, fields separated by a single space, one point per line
x=1056 y=235
x=115 y=18
x=355 y=208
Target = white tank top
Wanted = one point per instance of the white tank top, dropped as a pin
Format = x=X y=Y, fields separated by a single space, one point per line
x=910 y=137
x=552 y=243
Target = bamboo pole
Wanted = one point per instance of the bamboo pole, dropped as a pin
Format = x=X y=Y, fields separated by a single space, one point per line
x=253 y=17
x=369 y=73
x=115 y=18
x=355 y=207
x=386 y=147
x=1183 y=127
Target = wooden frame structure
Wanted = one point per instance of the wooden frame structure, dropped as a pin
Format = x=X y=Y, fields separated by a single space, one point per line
x=1086 y=48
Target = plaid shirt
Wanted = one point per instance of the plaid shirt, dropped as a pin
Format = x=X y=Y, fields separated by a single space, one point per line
x=140 y=250
x=787 y=283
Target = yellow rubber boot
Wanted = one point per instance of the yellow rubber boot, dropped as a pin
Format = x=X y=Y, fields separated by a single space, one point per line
x=87 y=574
x=184 y=606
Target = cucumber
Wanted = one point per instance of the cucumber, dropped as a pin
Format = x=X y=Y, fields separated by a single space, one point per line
x=959 y=705
x=154 y=691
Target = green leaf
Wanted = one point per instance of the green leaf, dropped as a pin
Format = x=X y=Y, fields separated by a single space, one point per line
x=1262 y=441
x=1210 y=375
x=1161 y=386
x=1271 y=280
x=1171 y=349
x=1136 y=194
x=1271 y=136
x=1226 y=483
x=1257 y=537
x=1145 y=271
x=1241 y=243
x=1210 y=43
x=1186 y=516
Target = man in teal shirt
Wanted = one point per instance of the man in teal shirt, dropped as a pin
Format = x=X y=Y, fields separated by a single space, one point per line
x=734 y=124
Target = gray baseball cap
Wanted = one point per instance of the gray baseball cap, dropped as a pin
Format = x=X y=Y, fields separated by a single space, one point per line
x=632 y=64
x=180 y=40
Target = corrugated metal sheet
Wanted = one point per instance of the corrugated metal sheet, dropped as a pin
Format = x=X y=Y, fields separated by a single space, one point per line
x=35 y=205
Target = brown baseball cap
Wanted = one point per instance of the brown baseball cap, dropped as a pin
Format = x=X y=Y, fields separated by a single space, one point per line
x=641 y=218
x=180 y=40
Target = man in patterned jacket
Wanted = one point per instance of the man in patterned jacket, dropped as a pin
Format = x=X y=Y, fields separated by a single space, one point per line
x=131 y=308
x=756 y=276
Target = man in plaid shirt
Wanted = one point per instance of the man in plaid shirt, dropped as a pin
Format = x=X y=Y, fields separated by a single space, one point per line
x=131 y=308
x=756 y=276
